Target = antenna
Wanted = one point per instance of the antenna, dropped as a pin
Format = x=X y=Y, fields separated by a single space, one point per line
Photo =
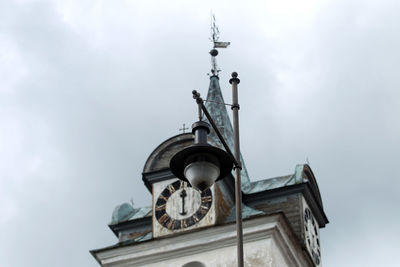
x=216 y=44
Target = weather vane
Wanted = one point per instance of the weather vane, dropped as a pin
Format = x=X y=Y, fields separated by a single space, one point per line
x=217 y=44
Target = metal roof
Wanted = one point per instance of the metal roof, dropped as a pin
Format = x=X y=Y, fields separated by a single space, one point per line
x=125 y=212
x=216 y=107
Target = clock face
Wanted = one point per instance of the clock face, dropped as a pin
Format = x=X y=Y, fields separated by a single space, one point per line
x=312 y=236
x=180 y=206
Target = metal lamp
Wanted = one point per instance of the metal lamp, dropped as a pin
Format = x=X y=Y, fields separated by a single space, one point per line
x=201 y=164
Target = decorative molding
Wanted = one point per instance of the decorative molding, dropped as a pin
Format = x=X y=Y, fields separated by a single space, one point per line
x=272 y=227
x=151 y=178
x=144 y=222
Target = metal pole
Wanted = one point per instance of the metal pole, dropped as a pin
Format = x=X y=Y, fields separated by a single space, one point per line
x=238 y=188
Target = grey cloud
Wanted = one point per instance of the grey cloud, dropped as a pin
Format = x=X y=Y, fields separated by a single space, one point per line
x=91 y=113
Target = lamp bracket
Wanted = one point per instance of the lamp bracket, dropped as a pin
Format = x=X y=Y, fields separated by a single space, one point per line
x=200 y=102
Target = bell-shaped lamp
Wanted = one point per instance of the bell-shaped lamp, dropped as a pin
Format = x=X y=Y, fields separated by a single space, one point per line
x=201 y=164
x=201 y=170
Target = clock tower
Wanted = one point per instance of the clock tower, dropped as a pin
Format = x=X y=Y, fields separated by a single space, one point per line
x=185 y=227
x=282 y=216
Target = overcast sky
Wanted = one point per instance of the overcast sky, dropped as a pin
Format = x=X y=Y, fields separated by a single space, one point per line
x=89 y=88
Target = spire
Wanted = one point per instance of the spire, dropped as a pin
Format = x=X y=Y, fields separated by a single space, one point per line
x=215 y=103
x=216 y=107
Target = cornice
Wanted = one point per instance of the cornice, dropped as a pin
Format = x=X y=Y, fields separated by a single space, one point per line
x=158 y=250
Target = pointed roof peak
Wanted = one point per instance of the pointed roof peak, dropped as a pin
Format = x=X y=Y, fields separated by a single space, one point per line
x=215 y=103
x=214 y=91
x=216 y=106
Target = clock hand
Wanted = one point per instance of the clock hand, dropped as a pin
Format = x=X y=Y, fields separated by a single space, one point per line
x=183 y=195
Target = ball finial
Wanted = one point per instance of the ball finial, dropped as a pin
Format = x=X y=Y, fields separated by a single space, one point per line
x=214 y=52
x=234 y=78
